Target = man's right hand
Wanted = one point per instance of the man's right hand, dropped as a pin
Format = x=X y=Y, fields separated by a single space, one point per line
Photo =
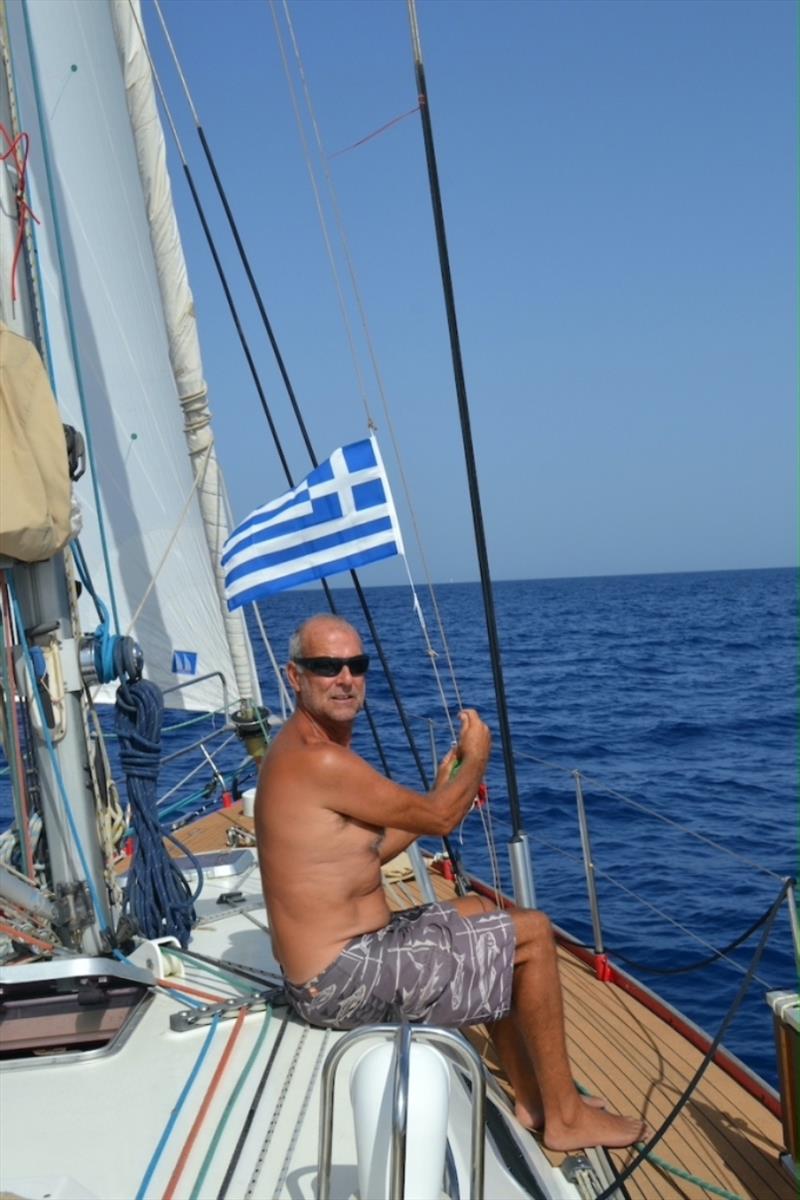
x=475 y=740
x=474 y=744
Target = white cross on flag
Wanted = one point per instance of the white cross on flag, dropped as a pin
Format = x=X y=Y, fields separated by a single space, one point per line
x=340 y=517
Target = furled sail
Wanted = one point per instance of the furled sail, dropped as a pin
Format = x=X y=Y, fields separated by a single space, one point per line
x=108 y=344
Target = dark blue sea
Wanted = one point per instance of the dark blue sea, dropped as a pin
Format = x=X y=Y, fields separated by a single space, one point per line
x=675 y=692
x=675 y=696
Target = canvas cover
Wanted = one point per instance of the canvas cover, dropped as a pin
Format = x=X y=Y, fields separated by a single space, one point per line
x=34 y=469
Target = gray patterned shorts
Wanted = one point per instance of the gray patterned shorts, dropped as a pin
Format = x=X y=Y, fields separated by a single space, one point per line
x=428 y=965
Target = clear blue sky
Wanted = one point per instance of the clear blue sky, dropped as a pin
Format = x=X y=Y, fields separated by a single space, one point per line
x=620 y=188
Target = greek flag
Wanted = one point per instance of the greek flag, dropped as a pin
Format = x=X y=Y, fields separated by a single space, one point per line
x=340 y=517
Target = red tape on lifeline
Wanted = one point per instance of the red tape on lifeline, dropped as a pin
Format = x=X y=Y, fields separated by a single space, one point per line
x=482 y=796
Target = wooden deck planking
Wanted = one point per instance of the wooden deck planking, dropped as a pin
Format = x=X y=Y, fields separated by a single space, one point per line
x=625 y=1053
x=622 y=1051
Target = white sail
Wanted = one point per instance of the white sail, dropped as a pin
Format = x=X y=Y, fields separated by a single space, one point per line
x=106 y=327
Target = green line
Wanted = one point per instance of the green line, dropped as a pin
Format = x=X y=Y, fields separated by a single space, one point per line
x=229 y=976
x=671 y=1169
x=212 y=1149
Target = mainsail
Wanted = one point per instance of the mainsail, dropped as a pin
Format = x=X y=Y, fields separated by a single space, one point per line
x=108 y=345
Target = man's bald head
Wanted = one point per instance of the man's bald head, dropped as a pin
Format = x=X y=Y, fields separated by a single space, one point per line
x=302 y=641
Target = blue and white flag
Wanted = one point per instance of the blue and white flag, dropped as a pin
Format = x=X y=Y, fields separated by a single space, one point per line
x=340 y=517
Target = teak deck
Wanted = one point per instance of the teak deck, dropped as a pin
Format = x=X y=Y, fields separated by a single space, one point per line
x=624 y=1052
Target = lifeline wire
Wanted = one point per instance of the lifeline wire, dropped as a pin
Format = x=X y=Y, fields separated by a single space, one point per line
x=709 y=1055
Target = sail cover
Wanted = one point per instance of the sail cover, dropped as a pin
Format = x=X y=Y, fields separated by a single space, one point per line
x=106 y=337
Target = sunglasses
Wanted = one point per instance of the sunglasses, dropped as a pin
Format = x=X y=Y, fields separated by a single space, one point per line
x=331 y=667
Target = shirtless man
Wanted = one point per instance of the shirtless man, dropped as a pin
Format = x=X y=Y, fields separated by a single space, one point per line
x=326 y=821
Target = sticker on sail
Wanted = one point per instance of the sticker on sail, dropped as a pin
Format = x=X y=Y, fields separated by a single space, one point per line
x=184 y=662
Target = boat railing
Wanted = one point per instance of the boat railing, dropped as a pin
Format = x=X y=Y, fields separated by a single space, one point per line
x=188 y=683
x=456 y=1047
x=592 y=871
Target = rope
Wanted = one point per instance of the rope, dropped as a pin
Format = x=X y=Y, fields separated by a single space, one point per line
x=17 y=935
x=11 y=736
x=197 y=1191
x=696 y=966
x=158 y=896
x=173 y=1117
x=251 y=1112
x=671 y=1169
x=56 y=767
x=19 y=148
x=227 y=976
x=209 y=1096
x=106 y=643
x=709 y=1055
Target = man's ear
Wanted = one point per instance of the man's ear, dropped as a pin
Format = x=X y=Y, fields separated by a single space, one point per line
x=293 y=675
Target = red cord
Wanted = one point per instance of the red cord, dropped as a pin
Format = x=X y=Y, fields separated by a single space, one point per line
x=19 y=147
x=198 y=1121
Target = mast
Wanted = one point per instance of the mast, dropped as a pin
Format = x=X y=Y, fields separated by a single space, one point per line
x=45 y=612
x=179 y=316
x=520 y=856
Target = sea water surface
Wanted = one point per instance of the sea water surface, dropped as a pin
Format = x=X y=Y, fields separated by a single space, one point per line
x=674 y=695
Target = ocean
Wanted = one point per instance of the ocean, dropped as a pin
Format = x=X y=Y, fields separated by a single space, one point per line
x=674 y=695
x=676 y=692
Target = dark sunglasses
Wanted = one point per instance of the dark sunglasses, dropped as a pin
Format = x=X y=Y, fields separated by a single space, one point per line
x=331 y=667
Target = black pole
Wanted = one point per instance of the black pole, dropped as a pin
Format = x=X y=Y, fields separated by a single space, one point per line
x=461 y=882
x=466 y=431
x=314 y=461
x=263 y=399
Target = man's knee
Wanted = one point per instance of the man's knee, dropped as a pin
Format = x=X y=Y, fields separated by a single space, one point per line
x=533 y=928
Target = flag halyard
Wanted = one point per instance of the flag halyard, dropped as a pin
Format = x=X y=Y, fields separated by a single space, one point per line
x=339 y=518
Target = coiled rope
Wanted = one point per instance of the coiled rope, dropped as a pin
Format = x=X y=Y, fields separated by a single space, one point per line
x=158 y=897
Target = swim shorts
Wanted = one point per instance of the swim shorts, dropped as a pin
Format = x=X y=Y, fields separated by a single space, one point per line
x=429 y=965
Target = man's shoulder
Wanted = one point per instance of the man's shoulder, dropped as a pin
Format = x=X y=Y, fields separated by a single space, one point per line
x=291 y=753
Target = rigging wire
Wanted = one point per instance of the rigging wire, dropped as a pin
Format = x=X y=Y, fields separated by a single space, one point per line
x=466 y=432
x=342 y=232
x=240 y=331
x=645 y=1149
x=68 y=308
x=348 y=329
x=653 y=812
x=389 y=676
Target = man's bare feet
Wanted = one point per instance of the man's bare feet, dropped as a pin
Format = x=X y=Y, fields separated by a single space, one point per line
x=533 y=1117
x=594 y=1127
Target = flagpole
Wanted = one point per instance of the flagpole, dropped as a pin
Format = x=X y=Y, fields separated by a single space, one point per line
x=519 y=839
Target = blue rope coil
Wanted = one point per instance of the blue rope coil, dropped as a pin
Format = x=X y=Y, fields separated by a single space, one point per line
x=158 y=897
